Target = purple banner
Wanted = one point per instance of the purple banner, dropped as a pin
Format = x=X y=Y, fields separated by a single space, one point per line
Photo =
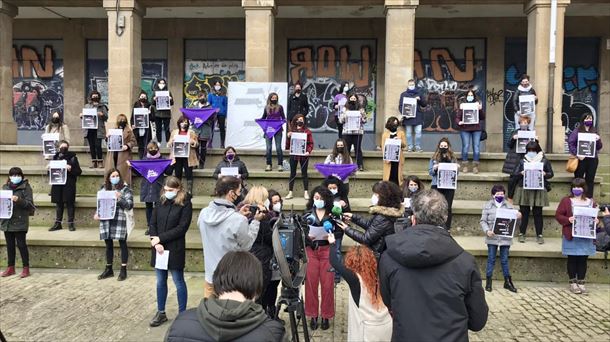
x=270 y=126
x=150 y=169
x=341 y=171
x=198 y=115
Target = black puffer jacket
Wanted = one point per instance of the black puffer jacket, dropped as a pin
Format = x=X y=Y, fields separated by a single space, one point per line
x=170 y=222
x=67 y=192
x=380 y=225
x=431 y=286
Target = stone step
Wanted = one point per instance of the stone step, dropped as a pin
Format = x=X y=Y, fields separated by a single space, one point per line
x=83 y=249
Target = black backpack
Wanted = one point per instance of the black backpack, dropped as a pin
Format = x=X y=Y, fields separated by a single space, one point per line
x=602 y=244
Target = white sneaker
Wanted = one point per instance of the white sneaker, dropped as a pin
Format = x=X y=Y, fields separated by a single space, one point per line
x=289 y=196
x=574 y=288
x=581 y=286
x=306 y=195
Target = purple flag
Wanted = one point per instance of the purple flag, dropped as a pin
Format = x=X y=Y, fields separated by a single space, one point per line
x=150 y=169
x=270 y=126
x=341 y=171
x=198 y=115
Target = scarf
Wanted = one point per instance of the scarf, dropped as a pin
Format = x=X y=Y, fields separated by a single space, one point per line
x=537 y=159
x=157 y=156
x=520 y=88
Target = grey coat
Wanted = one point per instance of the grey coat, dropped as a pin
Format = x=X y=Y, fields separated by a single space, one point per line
x=22 y=208
x=488 y=218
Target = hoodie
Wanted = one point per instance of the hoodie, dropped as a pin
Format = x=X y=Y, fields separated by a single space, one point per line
x=223 y=230
x=432 y=286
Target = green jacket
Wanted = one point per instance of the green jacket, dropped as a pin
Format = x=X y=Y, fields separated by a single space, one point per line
x=20 y=221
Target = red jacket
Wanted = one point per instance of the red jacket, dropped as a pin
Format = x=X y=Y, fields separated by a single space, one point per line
x=308 y=147
x=563 y=214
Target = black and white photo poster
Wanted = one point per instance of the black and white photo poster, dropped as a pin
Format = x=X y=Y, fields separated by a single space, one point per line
x=49 y=144
x=141 y=118
x=181 y=146
x=298 y=144
x=115 y=139
x=447 y=176
x=585 y=146
x=527 y=104
x=163 y=101
x=505 y=222
x=533 y=177
x=89 y=120
x=584 y=222
x=523 y=138
x=6 y=204
x=409 y=107
x=470 y=113
x=58 y=172
x=353 y=120
x=106 y=204
x=391 y=150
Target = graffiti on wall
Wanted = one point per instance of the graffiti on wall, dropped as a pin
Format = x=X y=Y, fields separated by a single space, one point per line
x=444 y=70
x=322 y=65
x=201 y=75
x=38 y=85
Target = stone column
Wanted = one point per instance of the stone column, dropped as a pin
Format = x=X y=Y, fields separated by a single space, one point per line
x=75 y=56
x=175 y=65
x=8 y=135
x=124 y=56
x=538 y=43
x=399 y=50
x=260 y=19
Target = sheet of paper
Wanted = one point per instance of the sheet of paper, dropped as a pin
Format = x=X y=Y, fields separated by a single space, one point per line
x=409 y=107
x=447 y=175
x=141 y=118
x=353 y=120
x=106 y=204
x=527 y=104
x=317 y=233
x=162 y=260
x=298 y=144
x=523 y=138
x=391 y=150
x=471 y=113
x=115 y=139
x=181 y=146
x=58 y=172
x=229 y=171
x=89 y=120
x=163 y=101
x=49 y=143
x=6 y=204
x=586 y=145
x=584 y=222
x=533 y=179
x=505 y=222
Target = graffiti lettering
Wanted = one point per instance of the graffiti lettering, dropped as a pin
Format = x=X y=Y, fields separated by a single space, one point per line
x=579 y=78
x=28 y=64
x=494 y=96
x=201 y=76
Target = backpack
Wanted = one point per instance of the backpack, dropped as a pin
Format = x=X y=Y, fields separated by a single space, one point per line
x=602 y=244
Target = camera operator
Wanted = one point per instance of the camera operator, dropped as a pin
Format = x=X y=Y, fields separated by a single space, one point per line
x=224 y=228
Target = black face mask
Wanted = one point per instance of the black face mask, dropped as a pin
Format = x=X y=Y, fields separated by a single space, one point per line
x=55 y=120
x=143 y=100
x=122 y=124
x=443 y=149
x=95 y=99
x=153 y=152
x=340 y=149
x=63 y=150
x=273 y=102
x=202 y=100
x=300 y=124
x=393 y=128
x=184 y=127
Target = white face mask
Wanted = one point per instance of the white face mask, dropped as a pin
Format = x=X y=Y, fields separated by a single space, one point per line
x=319 y=204
x=345 y=89
x=334 y=191
x=217 y=88
x=277 y=207
x=411 y=87
x=374 y=199
x=161 y=85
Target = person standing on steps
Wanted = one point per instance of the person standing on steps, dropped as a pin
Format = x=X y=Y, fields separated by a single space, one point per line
x=117 y=159
x=297 y=103
x=524 y=88
x=353 y=135
x=392 y=170
x=443 y=154
x=413 y=126
x=95 y=136
x=218 y=99
x=231 y=159
x=513 y=158
x=66 y=193
x=16 y=228
x=298 y=126
x=470 y=132
x=180 y=164
x=143 y=135
x=170 y=222
x=340 y=155
x=57 y=125
x=488 y=218
x=339 y=102
x=164 y=116
x=116 y=228
x=205 y=131
x=587 y=167
x=274 y=110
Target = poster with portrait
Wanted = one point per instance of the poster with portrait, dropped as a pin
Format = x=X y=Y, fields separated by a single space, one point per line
x=58 y=172
x=89 y=119
x=181 y=146
x=106 y=204
x=6 y=204
x=533 y=176
x=447 y=175
x=391 y=150
x=409 y=107
x=353 y=120
x=298 y=144
x=470 y=113
x=586 y=145
x=523 y=138
x=49 y=144
x=505 y=223
x=162 y=100
x=141 y=118
x=115 y=139
x=527 y=104
x=584 y=222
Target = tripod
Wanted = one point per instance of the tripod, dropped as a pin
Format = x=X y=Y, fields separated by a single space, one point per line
x=294 y=307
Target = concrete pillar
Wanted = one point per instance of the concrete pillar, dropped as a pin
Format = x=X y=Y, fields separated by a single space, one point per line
x=538 y=43
x=8 y=135
x=124 y=56
x=75 y=56
x=399 y=50
x=260 y=19
x=175 y=66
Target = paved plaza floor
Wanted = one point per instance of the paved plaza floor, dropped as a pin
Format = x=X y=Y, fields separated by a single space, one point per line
x=72 y=305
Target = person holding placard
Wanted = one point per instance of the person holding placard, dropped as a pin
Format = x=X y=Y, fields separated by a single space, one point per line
x=468 y=119
x=339 y=102
x=353 y=119
x=300 y=145
x=57 y=125
x=413 y=118
x=141 y=118
x=231 y=165
x=340 y=155
x=393 y=142
x=66 y=193
x=168 y=226
x=584 y=142
x=205 y=131
x=274 y=111
x=577 y=248
x=162 y=108
x=116 y=159
x=516 y=145
x=188 y=141
x=115 y=228
x=443 y=154
x=525 y=108
x=490 y=221
x=218 y=99
x=95 y=135
x=532 y=186
x=16 y=226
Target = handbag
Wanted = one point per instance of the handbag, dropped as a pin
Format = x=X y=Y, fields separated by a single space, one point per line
x=131 y=223
x=572 y=164
x=483 y=135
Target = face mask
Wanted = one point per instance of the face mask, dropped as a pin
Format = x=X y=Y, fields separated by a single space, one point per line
x=374 y=199
x=340 y=149
x=413 y=188
x=523 y=127
x=184 y=126
x=297 y=91
x=499 y=199
x=443 y=149
x=277 y=207
x=411 y=87
x=300 y=123
x=15 y=179
x=273 y=101
x=170 y=195
x=469 y=98
x=122 y=124
x=115 y=180
x=588 y=123
x=95 y=99
x=202 y=100
x=161 y=85
x=230 y=156
x=352 y=102
x=217 y=88
x=393 y=128
x=55 y=120
x=153 y=152
x=531 y=154
x=142 y=99
x=266 y=204
x=318 y=204
x=577 y=191
x=345 y=89
x=334 y=191
x=63 y=149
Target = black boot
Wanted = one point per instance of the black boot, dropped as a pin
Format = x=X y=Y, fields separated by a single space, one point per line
x=122 y=273
x=189 y=186
x=159 y=318
x=147 y=232
x=488 y=284
x=313 y=324
x=508 y=284
x=71 y=226
x=56 y=226
x=107 y=273
x=325 y=324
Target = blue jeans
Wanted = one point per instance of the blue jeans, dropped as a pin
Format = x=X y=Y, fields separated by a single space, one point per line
x=476 y=144
x=178 y=277
x=417 y=141
x=492 y=250
x=278 y=148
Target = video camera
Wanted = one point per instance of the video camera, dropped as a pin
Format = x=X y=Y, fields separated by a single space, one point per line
x=288 y=241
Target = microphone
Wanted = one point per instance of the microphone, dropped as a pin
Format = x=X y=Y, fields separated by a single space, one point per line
x=328 y=227
x=337 y=211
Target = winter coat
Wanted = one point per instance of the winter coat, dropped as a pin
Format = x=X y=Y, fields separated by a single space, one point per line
x=488 y=218
x=512 y=157
x=572 y=245
x=547 y=168
x=169 y=222
x=459 y=116
x=431 y=286
x=387 y=165
x=243 y=170
x=297 y=105
x=218 y=101
x=20 y=220
x=223 y=320
x=343 y=120
x=67 y=192
x=573 y=141
x=143 y=132
x=204 y=132
x=193 y=160
x=521 y=92
x=224 y=230
x=434 y=173
x=166 y=113
x=308 y=145
x=129 y=139
x=62 y=129
x=116 y=228
x=419 y=115
x=101 y=120
x=376 y=228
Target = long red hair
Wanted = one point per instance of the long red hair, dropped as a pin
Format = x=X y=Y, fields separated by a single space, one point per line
x=362 y=261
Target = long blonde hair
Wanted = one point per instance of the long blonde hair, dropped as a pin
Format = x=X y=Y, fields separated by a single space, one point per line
x=257 y=195
x=174 y=183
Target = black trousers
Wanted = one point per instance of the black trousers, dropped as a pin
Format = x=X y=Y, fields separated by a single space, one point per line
x=304 y=161
x=142 y=142
x=356 y=141
x=202 y=151
x=182 y=164
x=149 y=211
x=18 y=239
x=339 y=127
x=394 y=173
x=222 y=127
x=110 y=251
x=59 y=211
x=512 y=186
x=162 y=125
x=448 y=194
x=270 y=296
x=95 y=145
x=525 y=214
x=587 y=168
x=577 y=266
